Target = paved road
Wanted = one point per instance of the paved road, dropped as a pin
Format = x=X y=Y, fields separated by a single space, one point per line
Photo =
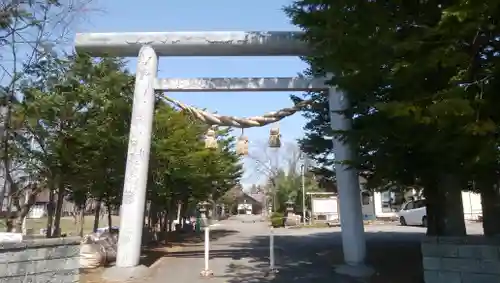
x=302 y=255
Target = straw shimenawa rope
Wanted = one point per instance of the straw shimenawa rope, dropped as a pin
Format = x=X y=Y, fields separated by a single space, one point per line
x=237 y=122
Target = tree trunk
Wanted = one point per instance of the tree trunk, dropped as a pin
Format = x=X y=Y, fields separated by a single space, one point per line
x=110 y=214
x=9 y=224
x=14 y=223
x=164 y=222
x=160 y=221
x=75 y=213
x=23 y=210
x=445 y=216
x=166 y=227
x=179 y=208
x=82 y=220
x=6 y=190
x=150 y=217
x=97 y=215
x=146 y=213
x=58 y=213
x=454 y=222
x=153 y=209
x=6 y=114
x=433 y=207
x=490 y=202
x=50 y=213
x=223 y=211
x=215 y=214
x=11 y=221
x=170 y=223
x=18 y=224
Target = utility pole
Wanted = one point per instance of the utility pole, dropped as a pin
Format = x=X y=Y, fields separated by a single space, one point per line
x=274 y=195
x=302 y=169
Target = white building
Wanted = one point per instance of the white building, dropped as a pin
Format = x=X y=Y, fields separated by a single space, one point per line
x=387 y=204
x=383 y=208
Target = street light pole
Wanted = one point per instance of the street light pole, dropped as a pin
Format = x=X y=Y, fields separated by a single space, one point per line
x=303 y=195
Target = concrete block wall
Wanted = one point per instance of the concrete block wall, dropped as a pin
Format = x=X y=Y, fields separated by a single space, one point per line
x=471 y=259
x=41 y=260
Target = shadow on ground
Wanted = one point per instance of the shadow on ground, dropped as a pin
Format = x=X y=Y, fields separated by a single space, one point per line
x=395 y=256
x=154 y=252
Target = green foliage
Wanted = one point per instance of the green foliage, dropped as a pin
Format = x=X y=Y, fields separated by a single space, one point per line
x=277 y=219
x=289 y=188
x=186 y=169
x=420 y=77
x=77 y=111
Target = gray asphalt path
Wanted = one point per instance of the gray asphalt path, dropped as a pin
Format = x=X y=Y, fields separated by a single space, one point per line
x=302 y=255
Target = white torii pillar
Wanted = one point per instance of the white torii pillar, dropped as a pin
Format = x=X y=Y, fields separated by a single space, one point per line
x=136 y=171
x=351 y=215
x=151 y=44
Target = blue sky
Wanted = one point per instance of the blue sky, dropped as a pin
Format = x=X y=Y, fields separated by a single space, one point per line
x=222 y=15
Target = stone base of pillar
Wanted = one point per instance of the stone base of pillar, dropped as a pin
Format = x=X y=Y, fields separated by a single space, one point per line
x=124 y=274
x=206 y=273
x=358 y=271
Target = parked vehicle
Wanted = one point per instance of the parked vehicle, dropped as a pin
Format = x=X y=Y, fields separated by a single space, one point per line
x=413 y=213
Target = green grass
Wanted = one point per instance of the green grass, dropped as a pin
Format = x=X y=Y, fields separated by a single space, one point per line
x=68 y=225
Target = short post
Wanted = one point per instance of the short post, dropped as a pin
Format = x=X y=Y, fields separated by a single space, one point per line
x=206 y=272
x=272 y=268
x=311 y=211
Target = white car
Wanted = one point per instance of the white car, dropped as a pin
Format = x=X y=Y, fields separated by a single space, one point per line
x=413 y=213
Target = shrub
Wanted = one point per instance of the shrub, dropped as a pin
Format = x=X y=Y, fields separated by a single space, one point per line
x=277 y=219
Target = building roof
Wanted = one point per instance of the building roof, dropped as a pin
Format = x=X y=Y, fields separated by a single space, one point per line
x=260 y=198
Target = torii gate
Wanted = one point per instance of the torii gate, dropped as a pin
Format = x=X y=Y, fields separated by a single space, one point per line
x=147 y=47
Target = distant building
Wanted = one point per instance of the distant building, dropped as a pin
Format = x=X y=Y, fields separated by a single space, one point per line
x=250 y=203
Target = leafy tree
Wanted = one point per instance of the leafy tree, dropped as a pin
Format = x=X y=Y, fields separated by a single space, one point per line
x=30 y=31
x=77 y=111
x=419 y=76
x=45 y=115
x=100 y=144
x=289 y=189
x=183 y=170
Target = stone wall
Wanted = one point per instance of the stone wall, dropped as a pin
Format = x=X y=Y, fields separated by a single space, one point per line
x=471 y=259
x=41 y=260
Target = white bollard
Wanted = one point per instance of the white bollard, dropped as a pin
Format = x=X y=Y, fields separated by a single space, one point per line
x=207 y=247
x=271 y=251
x=206 y=272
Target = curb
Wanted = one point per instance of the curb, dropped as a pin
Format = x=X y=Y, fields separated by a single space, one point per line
x=335 y=225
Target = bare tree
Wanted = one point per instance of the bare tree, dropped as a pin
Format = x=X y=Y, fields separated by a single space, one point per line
x=265 y=162
x=30 y=30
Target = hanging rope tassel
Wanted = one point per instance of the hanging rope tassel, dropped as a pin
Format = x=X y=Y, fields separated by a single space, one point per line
x=242 y=145
x=274 y=138
x=211 y=140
